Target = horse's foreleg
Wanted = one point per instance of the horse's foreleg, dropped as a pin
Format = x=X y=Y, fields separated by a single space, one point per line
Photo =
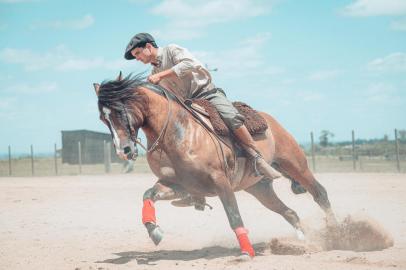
x=229 y=202
x=158 y=192
x=264 y=192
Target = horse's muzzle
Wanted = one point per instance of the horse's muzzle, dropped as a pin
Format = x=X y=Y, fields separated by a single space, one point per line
x=131 y=153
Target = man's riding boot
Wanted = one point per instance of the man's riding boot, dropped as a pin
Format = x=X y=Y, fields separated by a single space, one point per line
x=248 y=144
x=198 y=202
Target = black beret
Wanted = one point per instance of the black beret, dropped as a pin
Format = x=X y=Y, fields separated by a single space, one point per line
x=139 y=40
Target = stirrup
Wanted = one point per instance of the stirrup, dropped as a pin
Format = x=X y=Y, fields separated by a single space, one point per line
x=256 y=172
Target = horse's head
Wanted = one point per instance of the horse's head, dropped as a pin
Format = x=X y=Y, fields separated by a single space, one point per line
x=117 y=102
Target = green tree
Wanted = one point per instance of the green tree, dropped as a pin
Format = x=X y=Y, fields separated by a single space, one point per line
x=324 y=137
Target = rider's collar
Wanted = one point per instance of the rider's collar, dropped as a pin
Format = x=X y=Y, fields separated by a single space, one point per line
x=158 y=62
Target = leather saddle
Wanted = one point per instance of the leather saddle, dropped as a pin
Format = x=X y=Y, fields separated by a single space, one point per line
x=254 y=122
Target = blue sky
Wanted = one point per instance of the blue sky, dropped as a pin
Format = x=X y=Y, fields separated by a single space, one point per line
x=314 y=65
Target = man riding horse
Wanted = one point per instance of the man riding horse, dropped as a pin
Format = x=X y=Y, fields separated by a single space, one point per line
x=189 y=164
x=175 y=68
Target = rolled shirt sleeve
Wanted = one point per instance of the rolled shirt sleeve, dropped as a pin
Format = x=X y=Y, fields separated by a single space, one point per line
x=184 y=61
x=191 y=76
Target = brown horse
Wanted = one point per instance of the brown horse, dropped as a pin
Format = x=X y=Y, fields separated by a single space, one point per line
x=188 y=159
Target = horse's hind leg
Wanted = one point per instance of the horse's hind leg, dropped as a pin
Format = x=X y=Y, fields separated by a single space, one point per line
x=297 y=169
x=264 y=192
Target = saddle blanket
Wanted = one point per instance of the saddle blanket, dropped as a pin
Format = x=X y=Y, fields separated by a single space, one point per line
x=254 y=122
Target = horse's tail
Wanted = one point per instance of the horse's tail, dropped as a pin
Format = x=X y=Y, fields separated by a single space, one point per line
x=290 y=155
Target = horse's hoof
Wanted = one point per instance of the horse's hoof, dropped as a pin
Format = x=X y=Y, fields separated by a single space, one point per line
x=331 y=221
x=156 y=235
x=244 y=257
x=199 y=207
x=300 y=235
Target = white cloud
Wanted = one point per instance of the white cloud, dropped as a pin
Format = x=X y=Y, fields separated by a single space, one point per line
x=381 y=93
x=4 y=77
x=16 y=1
x=140 y=1
x=80 y=64
x=34 y=61
x=288 y=81
x=394 y=62
x=188 y=19
x=8 y=107
x=272 y=70
x=362 y=8
x=6 y=103
x=399 y=25
x=208 y=12
x=24 y=88
x=323 y=75
x=243 y=60
x=182 y=33
x=309 y=96
x=59 y=58
x=75 y=24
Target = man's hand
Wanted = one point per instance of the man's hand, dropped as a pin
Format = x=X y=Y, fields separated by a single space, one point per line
x=155 y=78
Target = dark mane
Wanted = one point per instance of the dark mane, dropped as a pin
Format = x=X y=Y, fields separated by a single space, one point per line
x=116 y=95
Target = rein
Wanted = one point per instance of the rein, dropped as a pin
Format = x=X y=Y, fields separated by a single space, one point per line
x=130 y=127
x=161 y=134
x=205 y=126
x=163 y=130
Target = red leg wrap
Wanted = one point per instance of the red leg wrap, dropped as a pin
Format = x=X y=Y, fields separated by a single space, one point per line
x=245 y=245
x=148 y=212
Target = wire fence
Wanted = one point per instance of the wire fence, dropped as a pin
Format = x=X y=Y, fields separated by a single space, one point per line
x=352 y=156
x=52 y=165
x=357 y=155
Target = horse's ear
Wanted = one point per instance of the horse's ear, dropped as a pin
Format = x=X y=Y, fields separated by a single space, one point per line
x=120 y=76
x=96 y=88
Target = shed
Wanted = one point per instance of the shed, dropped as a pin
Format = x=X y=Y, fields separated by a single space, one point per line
x=92 y=146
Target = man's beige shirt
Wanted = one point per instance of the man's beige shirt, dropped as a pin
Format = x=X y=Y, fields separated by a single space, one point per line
x=192 y=77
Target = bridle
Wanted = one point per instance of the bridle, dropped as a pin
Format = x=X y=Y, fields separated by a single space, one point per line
x=130 y=129
x=133 y=134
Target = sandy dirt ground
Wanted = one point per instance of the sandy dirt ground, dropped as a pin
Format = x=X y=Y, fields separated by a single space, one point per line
x=94 y=222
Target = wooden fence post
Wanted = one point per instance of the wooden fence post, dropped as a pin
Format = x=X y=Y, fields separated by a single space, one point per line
x=354 y=165
x=104 y=157
x=55 y=160
x=313 y=158
x=397 y=150
x=108 y=152
x=107 y=157
x=32 y=161
x=80 y=157
x=9 y=160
